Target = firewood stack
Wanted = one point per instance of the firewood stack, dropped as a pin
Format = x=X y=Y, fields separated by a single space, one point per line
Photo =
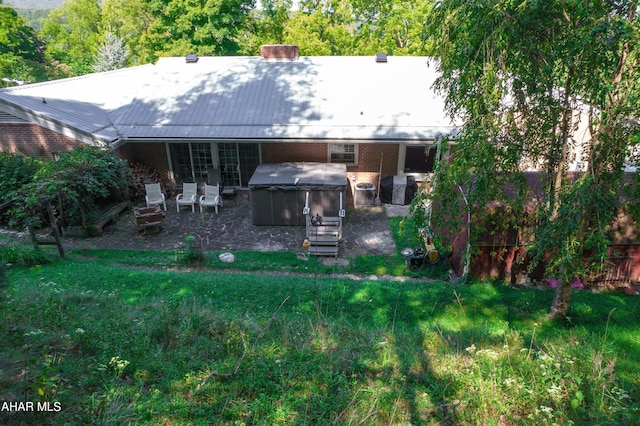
x=142 y=175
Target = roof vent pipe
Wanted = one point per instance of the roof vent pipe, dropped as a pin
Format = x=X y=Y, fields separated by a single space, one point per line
x=381 y=57
x=191 y=58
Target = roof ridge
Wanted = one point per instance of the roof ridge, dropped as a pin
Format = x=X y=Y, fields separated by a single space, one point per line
x=68 y=79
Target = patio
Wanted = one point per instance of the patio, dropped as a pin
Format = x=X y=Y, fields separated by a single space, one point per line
x=365 y=230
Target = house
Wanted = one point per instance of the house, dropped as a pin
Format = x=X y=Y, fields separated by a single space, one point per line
x=188 y=117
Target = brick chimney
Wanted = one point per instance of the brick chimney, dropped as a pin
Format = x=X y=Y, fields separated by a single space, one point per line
x=279 y=51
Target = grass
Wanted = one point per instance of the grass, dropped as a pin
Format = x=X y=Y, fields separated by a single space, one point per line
x=403 y=229
x=115 y=343
x=121 y=337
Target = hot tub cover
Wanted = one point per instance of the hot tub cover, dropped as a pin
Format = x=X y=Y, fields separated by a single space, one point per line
x=299 y=177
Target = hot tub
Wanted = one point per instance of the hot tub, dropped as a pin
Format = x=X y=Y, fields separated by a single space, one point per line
x=278 y=192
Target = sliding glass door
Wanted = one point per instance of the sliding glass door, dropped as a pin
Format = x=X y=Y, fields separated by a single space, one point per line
x=233 y=162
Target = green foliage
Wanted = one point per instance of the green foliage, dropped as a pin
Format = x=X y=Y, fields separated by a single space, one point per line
x=76 y=182
x=192 y=253
x=33 y=17
x=181 y=27
x=15 y=253
x=16 y=170
x=18 y=47
x=515 y=73
x=115 y=344
x=72 y=36
x=15 y=36
x=74 y=32
x=128 y=20
x=393 y=27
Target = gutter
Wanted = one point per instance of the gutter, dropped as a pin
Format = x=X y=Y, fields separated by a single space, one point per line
x=54 y=125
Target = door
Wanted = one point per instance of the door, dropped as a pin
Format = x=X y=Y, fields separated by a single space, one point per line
x=196 y=161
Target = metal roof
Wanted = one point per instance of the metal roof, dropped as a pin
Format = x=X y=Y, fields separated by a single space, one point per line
x=225 y=97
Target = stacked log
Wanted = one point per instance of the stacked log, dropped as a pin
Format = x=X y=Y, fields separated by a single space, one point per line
x=142 y=174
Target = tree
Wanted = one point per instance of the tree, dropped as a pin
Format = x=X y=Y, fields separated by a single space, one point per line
x=72 y=34
x=128 y=19
x=181 y=27
x=265 y=25
x=112 y=54
x=18 y=47
x=516 y=73
x=396 y=27
x=275 y=14
x=322 y=27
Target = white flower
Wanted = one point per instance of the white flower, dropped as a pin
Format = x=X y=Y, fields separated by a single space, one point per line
x=546 y=409
x=510 y=381
x=471 y=349
x=488 y=353
x=79 y=330
x=555 y=390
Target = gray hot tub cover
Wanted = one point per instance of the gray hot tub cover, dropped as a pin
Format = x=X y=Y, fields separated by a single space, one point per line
x=299 y=177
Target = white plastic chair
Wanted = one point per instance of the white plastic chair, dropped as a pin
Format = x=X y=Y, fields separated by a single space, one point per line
x=189 y=196
x=211 y=197
x=154 y=195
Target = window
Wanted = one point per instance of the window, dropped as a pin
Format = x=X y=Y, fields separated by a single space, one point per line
x=420 y=159
x=345 y=153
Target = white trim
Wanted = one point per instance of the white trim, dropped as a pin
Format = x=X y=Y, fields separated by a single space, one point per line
x=342 y=144
x=402 y=156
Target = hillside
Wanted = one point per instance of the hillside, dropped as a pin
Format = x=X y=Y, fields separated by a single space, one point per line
x=34 y=4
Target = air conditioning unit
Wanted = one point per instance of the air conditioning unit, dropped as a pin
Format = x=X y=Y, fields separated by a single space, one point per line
x=364 y=194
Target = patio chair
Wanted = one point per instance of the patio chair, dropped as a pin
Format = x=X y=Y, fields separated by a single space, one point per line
x=154 y=195
x=211 y=197
x=189 y=196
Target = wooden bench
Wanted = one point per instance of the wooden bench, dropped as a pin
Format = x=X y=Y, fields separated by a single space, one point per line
x=112 y=213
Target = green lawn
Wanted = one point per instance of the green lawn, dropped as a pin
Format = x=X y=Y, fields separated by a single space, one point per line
x=131 y=338
x=128 y=337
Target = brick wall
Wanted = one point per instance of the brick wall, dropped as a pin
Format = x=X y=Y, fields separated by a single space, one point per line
x=368 y=167
x=292 y=152
x=34 y=141
x=367 y=170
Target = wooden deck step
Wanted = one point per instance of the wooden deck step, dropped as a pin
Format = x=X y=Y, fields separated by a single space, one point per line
x=330 y=219
x=324 y=250
x=321 y=240
x=313 y=232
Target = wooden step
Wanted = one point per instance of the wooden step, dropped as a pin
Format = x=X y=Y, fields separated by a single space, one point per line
x=322 y=231
x=324 y=228
x=330 y=219
x=322 y=240
x=324 y=250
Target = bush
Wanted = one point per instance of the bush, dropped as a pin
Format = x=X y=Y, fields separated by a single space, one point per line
x=76 y=182
x=16 y=171
x=21 y=254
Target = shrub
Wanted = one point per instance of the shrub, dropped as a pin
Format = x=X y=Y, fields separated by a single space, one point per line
x=16 y=171
x=21 y=254
x=76 y=182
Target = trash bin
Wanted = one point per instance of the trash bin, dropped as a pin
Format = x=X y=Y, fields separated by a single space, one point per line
x=364 y=194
